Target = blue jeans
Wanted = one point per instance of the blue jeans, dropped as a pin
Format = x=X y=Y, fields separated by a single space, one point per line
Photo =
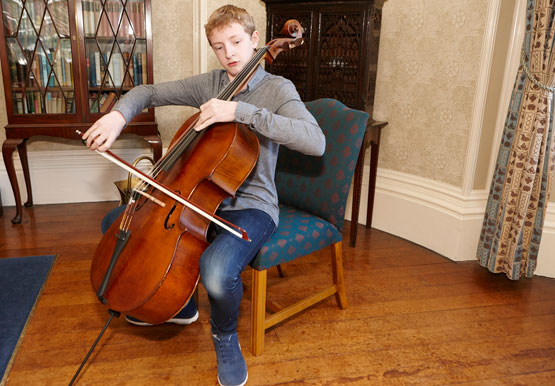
x=223 y=261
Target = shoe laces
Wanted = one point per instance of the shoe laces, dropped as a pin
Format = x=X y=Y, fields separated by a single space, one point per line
x=226 y=347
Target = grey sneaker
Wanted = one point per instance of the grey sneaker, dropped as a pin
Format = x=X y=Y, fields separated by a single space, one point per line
x=232 y=368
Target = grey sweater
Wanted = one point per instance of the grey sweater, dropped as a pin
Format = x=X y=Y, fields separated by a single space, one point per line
x=270 y=106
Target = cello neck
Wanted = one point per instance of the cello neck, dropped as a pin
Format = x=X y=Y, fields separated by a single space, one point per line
x=244 y=76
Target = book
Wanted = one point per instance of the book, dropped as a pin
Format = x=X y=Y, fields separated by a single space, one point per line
x=97 y=68
x=143 y=68
x=108 y=103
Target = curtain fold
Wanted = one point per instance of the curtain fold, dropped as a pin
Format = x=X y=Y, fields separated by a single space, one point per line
x=519 y=192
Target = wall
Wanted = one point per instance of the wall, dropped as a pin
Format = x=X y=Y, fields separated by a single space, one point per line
x=433 y=74
x=429 y=51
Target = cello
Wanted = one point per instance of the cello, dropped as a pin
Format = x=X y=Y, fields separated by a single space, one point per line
x=147 y=263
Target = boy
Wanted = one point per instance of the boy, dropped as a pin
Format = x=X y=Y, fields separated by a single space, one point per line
x=271 y=107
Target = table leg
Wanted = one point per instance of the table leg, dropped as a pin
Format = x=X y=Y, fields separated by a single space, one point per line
x=8 y=148
x=357 y=187
x=22 y=150
x=156 y=143
x=374 y=153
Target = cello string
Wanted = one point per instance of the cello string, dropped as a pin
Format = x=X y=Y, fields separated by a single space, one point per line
x=183 y=143
x=175 y=195
x=127 y=215
x=225 y=94
x=228 y=92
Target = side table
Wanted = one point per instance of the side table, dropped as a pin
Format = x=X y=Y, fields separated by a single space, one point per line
x=371 y=139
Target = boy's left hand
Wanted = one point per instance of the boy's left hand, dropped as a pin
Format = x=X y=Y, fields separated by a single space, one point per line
x=214 y=111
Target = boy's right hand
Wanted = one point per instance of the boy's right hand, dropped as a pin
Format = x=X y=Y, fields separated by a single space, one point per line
x=102 y=134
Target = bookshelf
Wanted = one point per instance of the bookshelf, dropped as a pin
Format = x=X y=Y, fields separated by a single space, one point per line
x=64 y=64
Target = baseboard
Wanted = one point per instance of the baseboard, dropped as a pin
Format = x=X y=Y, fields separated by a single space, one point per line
x=546 y=258
x=434 y=215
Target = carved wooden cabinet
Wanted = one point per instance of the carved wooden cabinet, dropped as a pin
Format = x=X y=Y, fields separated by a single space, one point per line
x=64 y=64
x=338 y=60
x=339 y=57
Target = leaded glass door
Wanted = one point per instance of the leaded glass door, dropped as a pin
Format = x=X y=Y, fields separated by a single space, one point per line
x=40 y=58
x=115 y=49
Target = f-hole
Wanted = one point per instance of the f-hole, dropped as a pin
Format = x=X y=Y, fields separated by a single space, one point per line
x=168 y=227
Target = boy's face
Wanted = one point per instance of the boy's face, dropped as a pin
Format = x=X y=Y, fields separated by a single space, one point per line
x=233 y=47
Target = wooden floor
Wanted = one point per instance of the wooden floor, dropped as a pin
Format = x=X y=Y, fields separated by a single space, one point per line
x=414 y=317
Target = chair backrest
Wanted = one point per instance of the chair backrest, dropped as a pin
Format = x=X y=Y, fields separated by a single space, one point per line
x=320 y=185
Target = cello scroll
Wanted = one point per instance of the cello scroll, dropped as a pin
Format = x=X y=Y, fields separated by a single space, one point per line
x=291 y=28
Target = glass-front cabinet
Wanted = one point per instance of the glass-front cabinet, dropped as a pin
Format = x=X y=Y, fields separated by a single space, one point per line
x=67 y=62
x=40 y=57
x=42 y=39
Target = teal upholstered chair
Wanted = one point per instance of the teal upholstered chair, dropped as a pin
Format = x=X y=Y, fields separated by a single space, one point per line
x=313 y=195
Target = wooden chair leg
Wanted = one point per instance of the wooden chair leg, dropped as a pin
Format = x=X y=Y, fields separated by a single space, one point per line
x=337 y=268
x=258 y=310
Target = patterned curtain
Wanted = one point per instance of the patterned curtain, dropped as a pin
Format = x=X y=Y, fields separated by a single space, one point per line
x=513 y=222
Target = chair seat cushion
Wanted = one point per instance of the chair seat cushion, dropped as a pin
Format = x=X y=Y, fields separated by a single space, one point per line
x=298 y=234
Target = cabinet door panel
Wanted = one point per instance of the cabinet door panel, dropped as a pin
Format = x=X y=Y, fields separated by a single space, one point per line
x=340 y=49
x=39 y=56
x=116 y=51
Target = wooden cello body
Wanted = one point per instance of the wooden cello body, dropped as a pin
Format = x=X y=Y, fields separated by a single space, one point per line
x=157 y=271
x=147 y=263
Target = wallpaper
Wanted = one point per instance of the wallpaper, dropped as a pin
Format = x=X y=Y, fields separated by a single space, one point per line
x=172 y=41
x=427 y=73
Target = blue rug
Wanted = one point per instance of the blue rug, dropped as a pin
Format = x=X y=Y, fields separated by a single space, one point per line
x=21 y=283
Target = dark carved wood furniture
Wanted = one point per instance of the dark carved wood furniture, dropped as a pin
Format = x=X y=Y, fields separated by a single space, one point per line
x=338 y=60
x=64 y=64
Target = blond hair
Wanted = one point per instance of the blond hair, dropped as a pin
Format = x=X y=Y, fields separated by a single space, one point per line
x=227 y=14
